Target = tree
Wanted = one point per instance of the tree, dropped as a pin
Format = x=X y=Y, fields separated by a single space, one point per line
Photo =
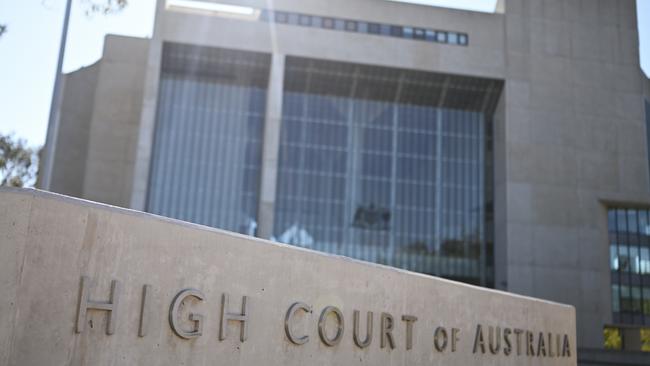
x=104 y=6
x=18 y=163
x=92 y=7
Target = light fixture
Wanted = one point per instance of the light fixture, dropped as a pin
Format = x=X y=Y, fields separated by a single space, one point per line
x=212 y=7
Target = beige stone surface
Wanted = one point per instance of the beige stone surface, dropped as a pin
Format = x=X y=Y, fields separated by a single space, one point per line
x=48 y=242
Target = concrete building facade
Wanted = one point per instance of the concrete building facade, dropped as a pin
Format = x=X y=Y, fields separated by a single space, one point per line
x=536 y=115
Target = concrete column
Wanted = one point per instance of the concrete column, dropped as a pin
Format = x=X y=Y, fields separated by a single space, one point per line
x=142 y=159
x=271 y=146
x=500 y=196
x=500 y=6
x=631 y=339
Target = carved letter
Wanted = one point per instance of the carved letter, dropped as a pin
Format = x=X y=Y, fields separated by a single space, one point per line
x=566 y=349
x=86 y=304
x=541 y=347
x=506 y=337
x=440 y=339
x=494 y=348
x=355 y=332
x=340 y=326
x=530 y=341
x=479 y=340
x=236 y=317
x=144 y=311
x=196 y=318
x=518 y=333
x=409 y=319
x=550 y=345
x=454 y=338
x=387 y=331
x=287 y=322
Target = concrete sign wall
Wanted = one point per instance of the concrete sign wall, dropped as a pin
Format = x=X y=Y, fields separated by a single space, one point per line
x=87 y=284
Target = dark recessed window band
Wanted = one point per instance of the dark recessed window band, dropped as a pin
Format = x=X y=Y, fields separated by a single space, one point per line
x=357 y=26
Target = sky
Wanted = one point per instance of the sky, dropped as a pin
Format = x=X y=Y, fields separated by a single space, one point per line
x=29 y=50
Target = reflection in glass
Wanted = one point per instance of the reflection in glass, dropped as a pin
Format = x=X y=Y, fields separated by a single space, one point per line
x=206 y=155
x=397 y=179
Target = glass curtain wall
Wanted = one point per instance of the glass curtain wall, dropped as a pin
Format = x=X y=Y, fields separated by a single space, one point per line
x=629 y=238
x=647 y=128
x=388 y=166
x=207 y=150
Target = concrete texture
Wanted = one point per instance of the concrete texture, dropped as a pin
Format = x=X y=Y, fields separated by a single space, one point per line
x=116 y=121
x=100 y=124
x=69 y=171
x=48 y=242
x=574 y=142
x=271 y=149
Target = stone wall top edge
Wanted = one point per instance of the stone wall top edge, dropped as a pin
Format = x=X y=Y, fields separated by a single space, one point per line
x=37 y=194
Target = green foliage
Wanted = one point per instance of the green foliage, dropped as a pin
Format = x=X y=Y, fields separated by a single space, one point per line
x=613 y=338
x=104 y=6
x=645 y=339
x=18 y=163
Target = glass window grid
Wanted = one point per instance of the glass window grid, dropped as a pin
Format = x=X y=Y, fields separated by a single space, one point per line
x=647 y=128
x=630 y=265
x=383 y=130
x=208 y=136
x=358 y=26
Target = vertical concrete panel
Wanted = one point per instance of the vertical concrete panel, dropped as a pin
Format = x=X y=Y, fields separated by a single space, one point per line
x=14 y=222
x=271 y=145
x=583 y=103
x=115 y=121
x=500 y=196
x=145 y=133
x=69 y=169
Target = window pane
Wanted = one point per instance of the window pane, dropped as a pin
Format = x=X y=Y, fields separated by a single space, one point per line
x=626 y=299
x=616 y=304
x=611 y=219
x=644 y=265
x=613 y=258
x=624 y=258
x=621 y=220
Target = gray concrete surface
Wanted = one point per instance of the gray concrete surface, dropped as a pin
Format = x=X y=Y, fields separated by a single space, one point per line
x=574 y=143
x=69 y=171
x=271 y=148
x=115 y=125
x=49 y=242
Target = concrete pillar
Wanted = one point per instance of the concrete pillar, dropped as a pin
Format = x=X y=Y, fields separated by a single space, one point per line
x=631 y=339
x=142 y=158
x=271 y=146
x=500 y=196
x=500 y=6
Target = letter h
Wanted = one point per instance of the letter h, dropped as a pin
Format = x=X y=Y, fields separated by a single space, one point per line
x=86 y=304
x=226 y=316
